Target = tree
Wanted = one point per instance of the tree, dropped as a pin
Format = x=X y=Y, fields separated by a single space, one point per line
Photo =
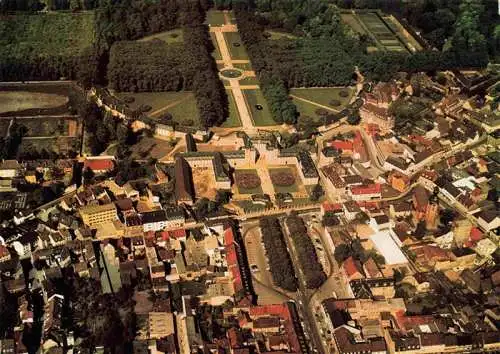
x=342 y=252
x=353 y=119
x=316 y=193
x=222 y=197
x=330 y=219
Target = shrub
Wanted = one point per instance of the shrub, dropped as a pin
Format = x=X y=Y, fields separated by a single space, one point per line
x=321 y=112
x=334 y=103
x=343 y=93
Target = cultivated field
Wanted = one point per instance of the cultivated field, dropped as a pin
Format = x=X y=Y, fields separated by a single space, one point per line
x=258 y=107
x=173 y=36
x=42 y=35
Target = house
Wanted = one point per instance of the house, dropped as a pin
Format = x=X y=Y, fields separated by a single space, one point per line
x=99 y=164
x=307 y=170
x=352 y=269
x=373 y=114
x=399 y=181
x=160 y=325
x=184 y=189
x=489 y=220
x=10 y=169
x=95 y=215
x=158 y=220
x=4 y=254
x=366 y=192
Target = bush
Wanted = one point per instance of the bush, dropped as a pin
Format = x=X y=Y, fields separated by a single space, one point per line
x=335 y=103
x=144 y=108
x=128 y=99
x=343 y=93
x=321 y=112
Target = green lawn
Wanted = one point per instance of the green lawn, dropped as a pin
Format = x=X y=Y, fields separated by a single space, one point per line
x=279 y=35
x=246 y=66
x=237 y=52
x=215 y=18
x=323 y=96
x=249 y=81
x=216 y=53
x=306 y=109
x=261 y=117
x=43 y=35
x=256 y=190
x=285 y=189
x=233 y=120
x=173 y=36
x=182 y=105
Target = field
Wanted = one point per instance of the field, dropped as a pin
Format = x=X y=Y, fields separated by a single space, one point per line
x=173 y=36
x=215 y=18
x=235 y=46
x=14 y=101
x=234 y=118
x=352 y=21
x=386 y=31
x=43 y=35
x=216 y=53
x=261 y=117
x=274 y=35
x=182 y=105
x=324 y=96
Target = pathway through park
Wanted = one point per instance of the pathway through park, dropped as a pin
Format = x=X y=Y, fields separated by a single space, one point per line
x=234 y=85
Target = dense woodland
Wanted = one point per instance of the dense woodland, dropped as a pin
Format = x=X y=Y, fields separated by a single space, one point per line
x=280 y=263
x=312 y=269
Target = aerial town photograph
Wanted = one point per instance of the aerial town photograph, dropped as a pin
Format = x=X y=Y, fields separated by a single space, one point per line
x=249 y=176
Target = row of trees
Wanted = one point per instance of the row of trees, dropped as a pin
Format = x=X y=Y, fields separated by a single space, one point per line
x=7 y=6
x=277 y=254
x=198 y=64
x=312 y=269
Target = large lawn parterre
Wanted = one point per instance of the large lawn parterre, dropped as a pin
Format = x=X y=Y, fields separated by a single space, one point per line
x=255 y=100
x=215 y=18
x=235 y=46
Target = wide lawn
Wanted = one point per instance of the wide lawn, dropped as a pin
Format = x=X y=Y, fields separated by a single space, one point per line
x=307 y=109
x=249 y=80
x=182 y=105
x=235 y=46
x=262 y=116
x=12 y=101
x=215 y=18
x=42 y=35
x=233 y=120
x=173 y=36
x=324 y=96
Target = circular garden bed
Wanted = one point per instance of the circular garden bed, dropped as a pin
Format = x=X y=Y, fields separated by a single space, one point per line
x=283 y=179
x=247 y=180
x=231 y=73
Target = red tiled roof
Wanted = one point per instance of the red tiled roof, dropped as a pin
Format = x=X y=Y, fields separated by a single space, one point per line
x=332 y=206
x=475 y=234
x=350 y=267
x=99 y=164
x=368 y=189
x=4 y=252
x=179 y=233
x=228 y=236
x=343 y=145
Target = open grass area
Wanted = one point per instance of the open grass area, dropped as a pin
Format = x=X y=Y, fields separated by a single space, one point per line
x=173 y=36
x=63 y=34
x=273 y=35
x=244 y=66
x=249 y=80
x=260 y=117
x=182 y=105
x=215 y=18
x=238 y=173
x=307 y=109
x=233 y=120
x=216 y=53
x=235 y=46
x=12 y=101
x=324 y=96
